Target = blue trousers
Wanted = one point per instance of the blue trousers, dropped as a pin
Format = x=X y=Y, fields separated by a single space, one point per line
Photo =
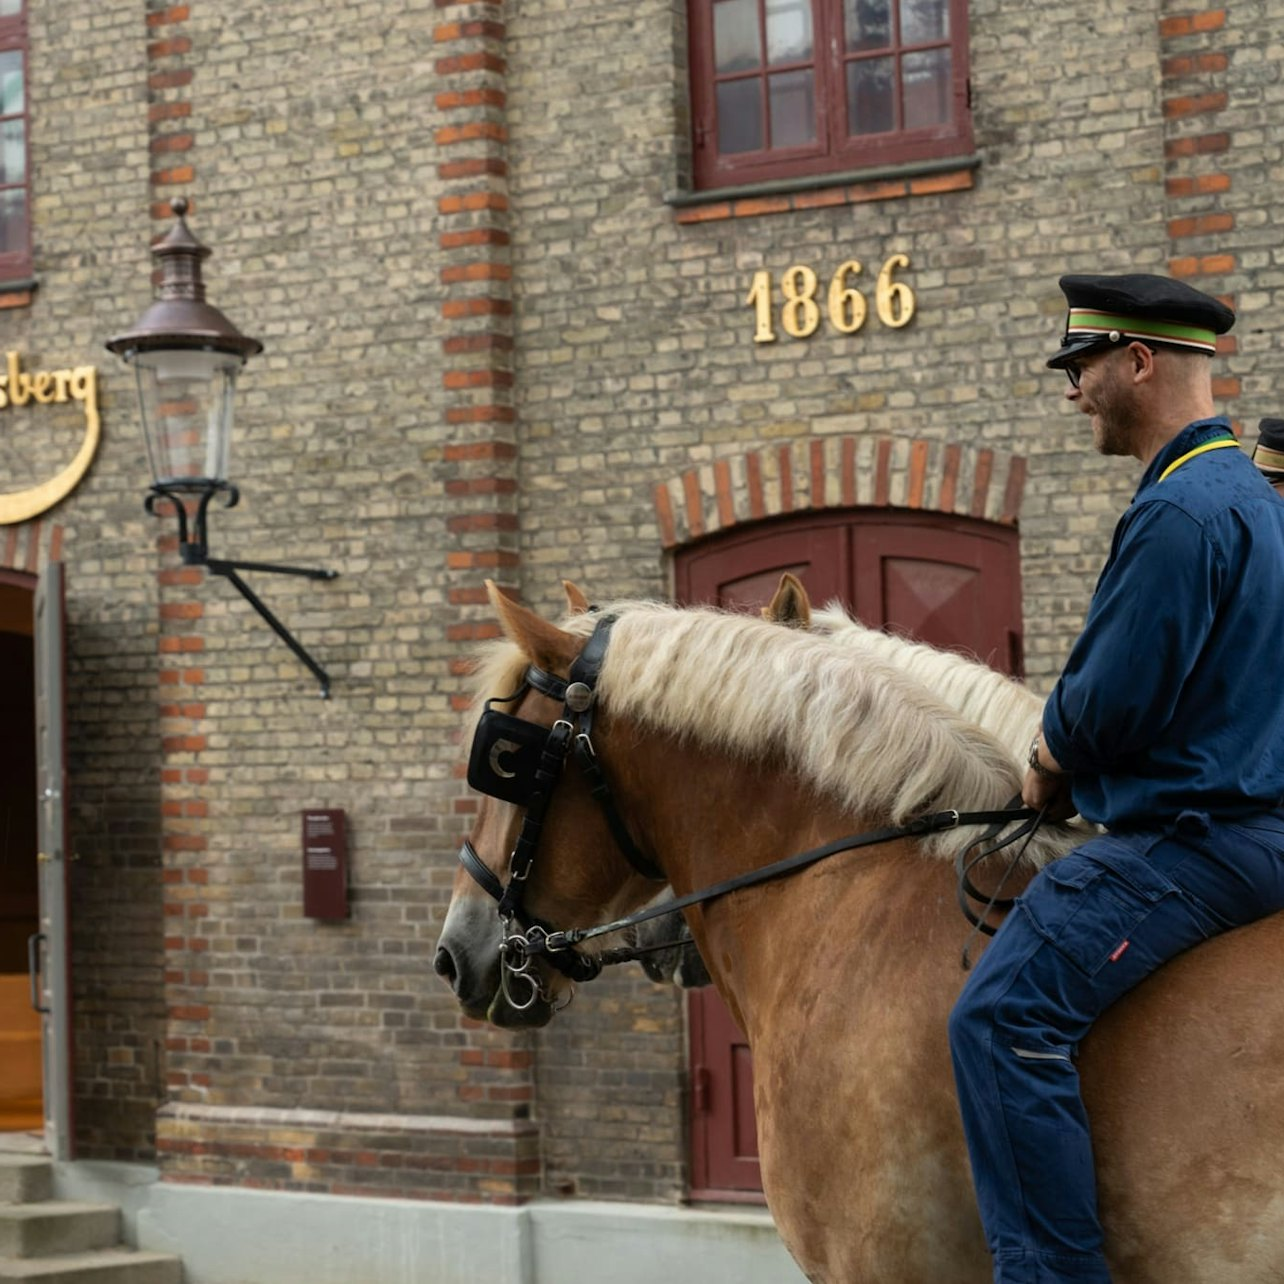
x=1088 y=928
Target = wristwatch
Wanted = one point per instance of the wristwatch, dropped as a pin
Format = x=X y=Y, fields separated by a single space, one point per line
x=1036 y=766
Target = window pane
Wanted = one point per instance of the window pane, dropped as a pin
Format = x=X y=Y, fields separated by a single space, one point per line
x=736 y=40
x=740 y=116
x=869 y=96
x=868 y=24
x=923 y=21
x=788 y=31
x=10 y=82
x=8 y=8
x=793 y=109
x=13 y=222
x=13 y=152
x=925 y=82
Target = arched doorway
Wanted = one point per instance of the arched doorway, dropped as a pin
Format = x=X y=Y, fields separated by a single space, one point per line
x=949 y=580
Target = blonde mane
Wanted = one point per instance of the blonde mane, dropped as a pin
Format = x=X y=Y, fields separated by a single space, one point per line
x=999 y=704
x=853 y=726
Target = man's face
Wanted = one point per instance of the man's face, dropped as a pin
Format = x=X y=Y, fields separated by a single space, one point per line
x=1104 y=393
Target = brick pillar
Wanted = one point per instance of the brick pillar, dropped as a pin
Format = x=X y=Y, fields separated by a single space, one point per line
x=1196 y=146
x=481 y=448
x=180 y=642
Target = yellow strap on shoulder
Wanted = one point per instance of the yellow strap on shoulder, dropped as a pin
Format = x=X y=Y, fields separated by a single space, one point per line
x=1219 y=444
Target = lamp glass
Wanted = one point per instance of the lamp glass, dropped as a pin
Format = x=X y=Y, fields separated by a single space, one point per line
x=185 y=396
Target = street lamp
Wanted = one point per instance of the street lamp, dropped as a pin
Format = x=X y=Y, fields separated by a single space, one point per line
x=185 y=355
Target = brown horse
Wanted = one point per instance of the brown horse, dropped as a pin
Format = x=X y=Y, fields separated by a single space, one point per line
x=730 y=742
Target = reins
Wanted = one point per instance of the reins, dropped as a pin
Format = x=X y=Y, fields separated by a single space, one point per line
x=539 y=757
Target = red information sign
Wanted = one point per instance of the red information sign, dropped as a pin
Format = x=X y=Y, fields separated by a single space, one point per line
x=325 y=864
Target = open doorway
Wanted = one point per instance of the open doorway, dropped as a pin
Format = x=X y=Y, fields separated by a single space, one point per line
x=21 y=1098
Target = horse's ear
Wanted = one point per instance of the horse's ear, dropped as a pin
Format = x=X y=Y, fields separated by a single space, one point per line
x=576 y=602
x=790 y=605
x=541 y=642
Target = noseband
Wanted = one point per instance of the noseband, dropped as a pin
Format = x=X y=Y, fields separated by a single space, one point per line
x=521 y=762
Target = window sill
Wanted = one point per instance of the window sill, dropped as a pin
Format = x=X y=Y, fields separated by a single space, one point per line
x=819 y=191
x=17 y=293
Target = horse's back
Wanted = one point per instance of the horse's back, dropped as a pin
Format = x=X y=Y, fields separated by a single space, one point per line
x=1184 y=1083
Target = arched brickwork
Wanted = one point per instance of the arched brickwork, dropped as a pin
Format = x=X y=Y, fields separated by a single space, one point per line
x=27 y=546
x=840 y=472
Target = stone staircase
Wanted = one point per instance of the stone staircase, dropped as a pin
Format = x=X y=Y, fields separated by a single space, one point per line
x=57 y=1242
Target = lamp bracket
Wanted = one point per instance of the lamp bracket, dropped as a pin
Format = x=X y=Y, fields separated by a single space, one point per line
x=194 y=549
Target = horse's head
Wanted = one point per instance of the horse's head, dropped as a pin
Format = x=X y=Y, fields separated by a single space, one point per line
x=544 y=853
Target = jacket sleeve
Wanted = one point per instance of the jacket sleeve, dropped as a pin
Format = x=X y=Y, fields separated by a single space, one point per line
x=1150 y=617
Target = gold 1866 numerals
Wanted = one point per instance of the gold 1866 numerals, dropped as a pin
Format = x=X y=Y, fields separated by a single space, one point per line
x=846 y=306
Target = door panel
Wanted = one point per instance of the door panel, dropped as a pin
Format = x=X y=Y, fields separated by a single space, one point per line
x=54 y=953
x=949 y=581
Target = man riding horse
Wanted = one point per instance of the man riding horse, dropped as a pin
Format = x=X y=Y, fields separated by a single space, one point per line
x=1163 y=728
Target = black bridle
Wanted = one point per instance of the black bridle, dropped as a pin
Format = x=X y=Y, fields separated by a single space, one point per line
x=540 y=756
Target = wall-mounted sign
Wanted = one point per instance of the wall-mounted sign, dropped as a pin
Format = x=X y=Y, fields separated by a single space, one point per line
x=325 y=863
x=19 y=387
x=846 y=307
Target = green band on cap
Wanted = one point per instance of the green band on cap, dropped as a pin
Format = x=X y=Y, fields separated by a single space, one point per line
x=1087 y=321
x=1267 y=459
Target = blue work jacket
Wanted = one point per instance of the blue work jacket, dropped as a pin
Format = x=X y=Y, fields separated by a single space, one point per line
x=1172 y=697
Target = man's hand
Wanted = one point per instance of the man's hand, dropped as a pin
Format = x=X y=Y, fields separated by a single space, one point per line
x=1047 y=785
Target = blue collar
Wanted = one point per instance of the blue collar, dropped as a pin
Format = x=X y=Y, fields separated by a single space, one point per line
x=1193 y=435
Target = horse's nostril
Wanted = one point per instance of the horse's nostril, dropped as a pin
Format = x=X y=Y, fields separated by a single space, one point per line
x=444 y=965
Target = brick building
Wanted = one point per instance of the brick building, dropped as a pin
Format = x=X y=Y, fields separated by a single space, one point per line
x=649 y=296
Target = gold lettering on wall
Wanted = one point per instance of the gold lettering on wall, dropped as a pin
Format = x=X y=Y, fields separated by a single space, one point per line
x=47 y=387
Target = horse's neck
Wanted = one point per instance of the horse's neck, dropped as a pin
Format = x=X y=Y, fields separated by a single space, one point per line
x=709 y=818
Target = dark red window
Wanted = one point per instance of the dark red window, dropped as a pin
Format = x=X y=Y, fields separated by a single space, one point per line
x=790 y=88
x=15 y=185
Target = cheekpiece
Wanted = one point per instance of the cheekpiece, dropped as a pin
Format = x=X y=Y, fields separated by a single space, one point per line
x=1158 y=311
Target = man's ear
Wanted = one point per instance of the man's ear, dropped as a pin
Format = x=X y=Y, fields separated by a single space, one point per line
x=1143 y=362
x=541 y=642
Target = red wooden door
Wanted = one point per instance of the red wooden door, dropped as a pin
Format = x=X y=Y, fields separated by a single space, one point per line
x=949 y=581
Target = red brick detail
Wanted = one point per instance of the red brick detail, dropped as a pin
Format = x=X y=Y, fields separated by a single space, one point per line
x=826 y=197
x=1203 y=185
x=1191 y=23
x=753 y=481
x=158 y=112
x=179 y=174
x=849 y=472
x=817 y=459
x=722 y=490
x=456 y=379
x=461 y=63
x=695 y=502
x=171 y=143
x=175 y=45
x=477 y=343
x=1197 y=145
x=664 y=517
x=477 y=167
x=450 y=135
x=950 y=477
x=165 y=17
x=917 y=475
x=1226 y=387
x=481 y=450
x=475 y=272
x=882 y=473
x=1193 y=65
x=1194 y=105
x=786 y=459
x=1014 y=490
x=981 y=483
x=1207 y=265
x=177 y=79
x=455 y=309
x=470 y=202
x=451 y=31
x=1200 y=225
x=485 y=97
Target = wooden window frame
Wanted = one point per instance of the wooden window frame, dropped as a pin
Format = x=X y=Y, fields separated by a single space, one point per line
x=834 y=150
x=16 y=265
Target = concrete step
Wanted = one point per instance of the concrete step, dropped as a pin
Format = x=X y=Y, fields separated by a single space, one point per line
x=105 y=1266
x=25 y=1179
x=57 y=1226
